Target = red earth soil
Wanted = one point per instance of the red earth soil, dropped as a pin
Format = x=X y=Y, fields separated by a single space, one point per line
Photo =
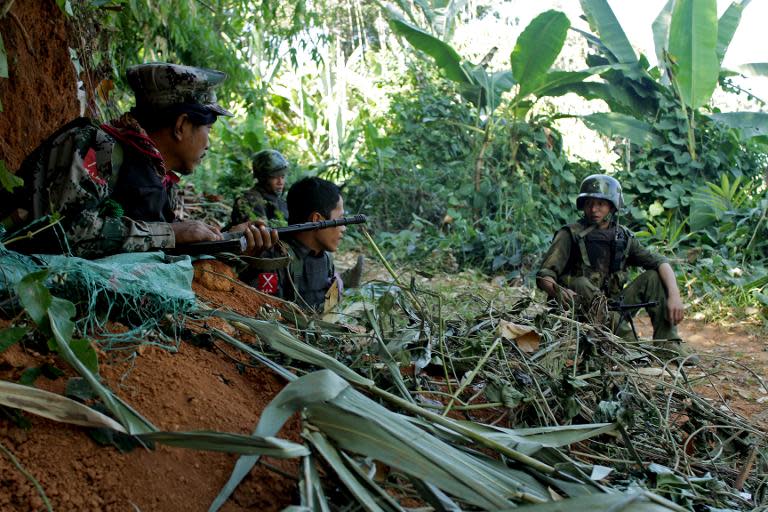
x=40 y=93
x=193 y=389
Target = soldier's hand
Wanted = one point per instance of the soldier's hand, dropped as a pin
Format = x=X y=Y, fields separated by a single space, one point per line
x=190 y=231
x=258 y=236
x=675 y=310
x=566 y=296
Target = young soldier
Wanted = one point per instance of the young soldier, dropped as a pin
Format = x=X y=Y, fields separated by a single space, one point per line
x=309 y=275
x=114 y=185
x=589 y=259
x=264 y=200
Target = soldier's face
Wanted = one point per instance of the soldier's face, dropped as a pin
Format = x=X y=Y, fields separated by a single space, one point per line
x=597 y=210
x=276 y=184
x=329 y=238
x=192 y=146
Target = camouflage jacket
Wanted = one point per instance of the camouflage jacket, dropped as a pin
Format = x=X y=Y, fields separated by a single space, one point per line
x=257 y=203
x=576 y=252
x=110 y=196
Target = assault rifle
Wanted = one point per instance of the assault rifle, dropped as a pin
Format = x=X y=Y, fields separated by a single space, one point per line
x=625 y=312
x=235 y=242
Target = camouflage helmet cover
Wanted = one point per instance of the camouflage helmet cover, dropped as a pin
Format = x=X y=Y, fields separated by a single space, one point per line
x=160 y=85
x=600 y=186
x=269 y=163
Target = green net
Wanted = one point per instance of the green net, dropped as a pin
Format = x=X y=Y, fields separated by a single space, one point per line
x=149 y=293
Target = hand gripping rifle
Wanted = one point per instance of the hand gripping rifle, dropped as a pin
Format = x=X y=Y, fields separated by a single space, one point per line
x=235 y=242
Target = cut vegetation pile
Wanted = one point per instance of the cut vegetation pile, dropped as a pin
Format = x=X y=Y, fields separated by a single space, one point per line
x=394 y=403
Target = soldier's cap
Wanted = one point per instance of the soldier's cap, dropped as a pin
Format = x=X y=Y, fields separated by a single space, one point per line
x=161 y=85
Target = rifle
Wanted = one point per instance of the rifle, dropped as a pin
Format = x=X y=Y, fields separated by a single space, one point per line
x=625 y=311
x=235 y=242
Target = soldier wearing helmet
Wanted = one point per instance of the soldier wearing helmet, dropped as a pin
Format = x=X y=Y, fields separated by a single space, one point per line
x=114 y=185
x=588 y=260
x=264 y=200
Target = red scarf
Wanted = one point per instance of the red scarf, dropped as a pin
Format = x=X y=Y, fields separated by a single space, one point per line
x=127 y=131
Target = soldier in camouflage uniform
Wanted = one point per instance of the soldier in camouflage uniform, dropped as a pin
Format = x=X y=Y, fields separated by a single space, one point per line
x=113 y=187
x=588 y=260
x=309 y=276
x=264 y=200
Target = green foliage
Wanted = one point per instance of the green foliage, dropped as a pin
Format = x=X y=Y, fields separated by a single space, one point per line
x=537 y=49
x=692 y=51
x=11 y=336
x=9 y=181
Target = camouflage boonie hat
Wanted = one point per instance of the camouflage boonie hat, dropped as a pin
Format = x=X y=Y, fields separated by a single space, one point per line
x=161 y=85
x=601 y=186
x=269 y=163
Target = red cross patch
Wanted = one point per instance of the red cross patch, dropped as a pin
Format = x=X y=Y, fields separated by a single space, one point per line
x=267 y=283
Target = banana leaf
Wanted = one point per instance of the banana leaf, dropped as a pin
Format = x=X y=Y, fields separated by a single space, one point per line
x=660 y=28
x=727 y=25
x=753 y=69
x=603 y=21
x=229 y=443
x=531 y=440
x=442 y=53
x=751 y=124
x=641 y=501
x=364 y=497
x=613 y=124
x=56 y=314
x=279 y=339
x=693 y=50
x=360 y=425
x=54 y=407
x=537 y=49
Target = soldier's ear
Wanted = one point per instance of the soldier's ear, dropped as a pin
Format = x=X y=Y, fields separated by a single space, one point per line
x=316 y=217
x=178 y=127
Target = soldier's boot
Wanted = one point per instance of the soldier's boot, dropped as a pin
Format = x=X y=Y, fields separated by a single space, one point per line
x=352 y=276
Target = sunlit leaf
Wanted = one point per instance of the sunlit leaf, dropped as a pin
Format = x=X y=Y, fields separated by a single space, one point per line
x=603 y=21
x=444 y=55
x=537 y=49
x=52 y=406
x=614 y=124
x=661 y=31
x=727 y=25
x=751 y=124
x=693 y=50
x=753 y=69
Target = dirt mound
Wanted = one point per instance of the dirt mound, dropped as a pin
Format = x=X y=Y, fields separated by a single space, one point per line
x=193 y=389
x=40 y=93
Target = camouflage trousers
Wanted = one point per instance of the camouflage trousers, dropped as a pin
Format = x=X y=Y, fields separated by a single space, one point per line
x=648 y=287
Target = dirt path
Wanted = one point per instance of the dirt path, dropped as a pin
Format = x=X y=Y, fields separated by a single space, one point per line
x=736 y=358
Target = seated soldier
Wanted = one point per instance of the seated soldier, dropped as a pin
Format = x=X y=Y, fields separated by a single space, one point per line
x=310 y=274
x=114 y=185
x=264 y=200
x=587 y=261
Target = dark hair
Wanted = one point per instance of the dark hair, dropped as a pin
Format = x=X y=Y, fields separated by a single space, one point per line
x=152 y=119
x=311 y=195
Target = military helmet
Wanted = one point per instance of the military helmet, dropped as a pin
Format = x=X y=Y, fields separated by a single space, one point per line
x=269 y=163
x=600 y=186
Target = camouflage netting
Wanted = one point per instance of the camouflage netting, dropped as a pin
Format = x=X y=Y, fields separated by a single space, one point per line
x=150 y=293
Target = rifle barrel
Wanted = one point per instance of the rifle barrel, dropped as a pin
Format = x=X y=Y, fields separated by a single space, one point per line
x=234 y=241
x=310 y=226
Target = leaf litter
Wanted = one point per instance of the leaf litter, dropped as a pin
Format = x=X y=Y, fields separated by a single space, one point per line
x=406 y=402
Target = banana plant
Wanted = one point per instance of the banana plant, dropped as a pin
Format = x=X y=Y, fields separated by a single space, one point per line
x=530 y=73
x=690 y=44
